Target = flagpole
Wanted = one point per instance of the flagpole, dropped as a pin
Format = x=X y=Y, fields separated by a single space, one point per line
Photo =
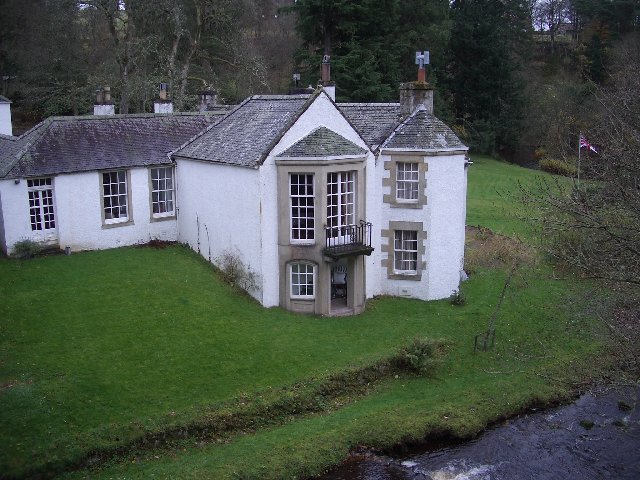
x=579 y=148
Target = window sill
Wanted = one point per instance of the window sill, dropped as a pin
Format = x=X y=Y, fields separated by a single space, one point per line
x=117 y=224
x=415 y=205
x=163 y=218
x=414 y=277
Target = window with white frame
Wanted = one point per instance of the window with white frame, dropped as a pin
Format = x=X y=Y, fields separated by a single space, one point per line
x=162 y=192
x=303 y=280
x=41 y=211
x=302 y=208
x=341 y=201
x=405 y=250
x=407 y=181
x=115 y=199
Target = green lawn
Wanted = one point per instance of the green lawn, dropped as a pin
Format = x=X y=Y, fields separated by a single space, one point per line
x=493 y=196
x=100 y=347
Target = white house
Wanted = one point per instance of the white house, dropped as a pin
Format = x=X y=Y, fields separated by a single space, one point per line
x=328 y=204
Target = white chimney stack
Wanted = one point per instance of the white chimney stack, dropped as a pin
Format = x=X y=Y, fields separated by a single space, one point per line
x=103 y=105
x=5 y=116
x=163 y=104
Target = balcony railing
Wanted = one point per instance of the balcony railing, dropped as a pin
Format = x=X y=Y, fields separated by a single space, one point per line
x=348 y=240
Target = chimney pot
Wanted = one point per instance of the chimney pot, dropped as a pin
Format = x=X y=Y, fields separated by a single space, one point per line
x=107 y=94
x=326 y=69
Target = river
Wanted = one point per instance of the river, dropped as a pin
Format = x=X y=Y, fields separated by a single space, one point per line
x=596 y=437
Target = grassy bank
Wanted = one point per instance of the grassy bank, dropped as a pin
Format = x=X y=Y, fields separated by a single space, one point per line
x=99 y=349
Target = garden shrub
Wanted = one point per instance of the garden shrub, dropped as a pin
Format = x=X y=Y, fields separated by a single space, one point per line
x=235 y=272
x=558 y=167
x=457 y=298
x=26 y=248
x=418 y=356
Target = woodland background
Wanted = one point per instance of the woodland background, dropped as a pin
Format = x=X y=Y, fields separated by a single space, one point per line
x=515 y=77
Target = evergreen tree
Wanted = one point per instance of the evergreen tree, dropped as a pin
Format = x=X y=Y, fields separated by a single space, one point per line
x=372 y=43
x=489 y=43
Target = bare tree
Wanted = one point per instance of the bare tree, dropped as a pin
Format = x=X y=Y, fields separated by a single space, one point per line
x=595 y=226
x=550 y=14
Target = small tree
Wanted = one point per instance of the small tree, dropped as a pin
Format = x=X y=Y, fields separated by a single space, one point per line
x=594 y=226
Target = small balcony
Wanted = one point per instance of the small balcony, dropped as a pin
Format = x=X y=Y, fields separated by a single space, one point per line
x=348 y=240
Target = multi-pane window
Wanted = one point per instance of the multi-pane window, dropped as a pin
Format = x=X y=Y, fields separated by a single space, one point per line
x=406 y=251
x=302 y=207
x=41 y=204
x=302 y=280
x=115 y=196
x=407 y=181
x=162 y=197
x=341 y=201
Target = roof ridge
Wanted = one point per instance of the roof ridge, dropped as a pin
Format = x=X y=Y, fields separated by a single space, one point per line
x=375 y=104
x=124 y=116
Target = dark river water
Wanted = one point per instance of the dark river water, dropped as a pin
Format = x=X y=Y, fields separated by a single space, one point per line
x=597 y=437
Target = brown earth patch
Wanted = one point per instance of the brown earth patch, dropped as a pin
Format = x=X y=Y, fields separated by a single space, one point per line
x=486 y=249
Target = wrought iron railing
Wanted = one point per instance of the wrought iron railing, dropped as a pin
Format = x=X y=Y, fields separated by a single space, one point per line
x=348 y=239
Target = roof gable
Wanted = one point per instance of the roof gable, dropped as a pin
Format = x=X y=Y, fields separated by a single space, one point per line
x=246 y=136
x=322 y=143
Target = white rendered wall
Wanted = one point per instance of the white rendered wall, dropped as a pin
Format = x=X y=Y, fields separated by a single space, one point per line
x=269 y=234
x=78 y=213
x=219 y=211
x=446 y=201
x=5 y=119
x=322 y=112
x=15 y=215
x=3 y=243
x=443 y=219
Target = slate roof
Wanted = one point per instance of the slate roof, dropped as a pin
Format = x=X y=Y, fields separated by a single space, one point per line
x=423 y=131
x=373 y=121
x=323 y=142
x=78 y=144
x=4 y=99
x=246 y=135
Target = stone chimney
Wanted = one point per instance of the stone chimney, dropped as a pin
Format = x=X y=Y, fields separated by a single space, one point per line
x=5 y=116
x=208 y=99
x=327 y=85
x=419 y=94
x=163 y=104
x=103 y=104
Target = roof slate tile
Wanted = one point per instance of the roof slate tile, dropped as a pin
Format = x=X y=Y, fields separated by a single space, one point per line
x=245 y=135
x=323 y=142
x=78 y=144
x=423 y=131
